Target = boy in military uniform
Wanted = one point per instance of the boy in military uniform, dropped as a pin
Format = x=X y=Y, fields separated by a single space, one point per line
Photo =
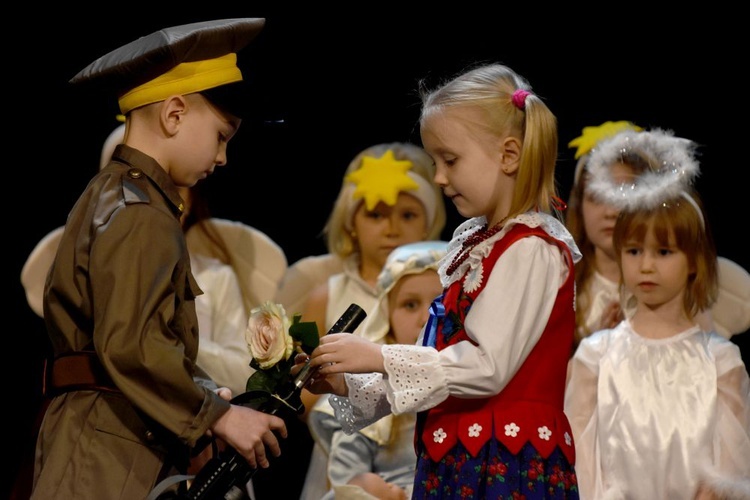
x=128 y=401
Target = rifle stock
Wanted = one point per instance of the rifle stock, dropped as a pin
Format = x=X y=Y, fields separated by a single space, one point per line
x=225 y=476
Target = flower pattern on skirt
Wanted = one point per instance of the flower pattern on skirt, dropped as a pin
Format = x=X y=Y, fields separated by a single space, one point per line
x=496 y=473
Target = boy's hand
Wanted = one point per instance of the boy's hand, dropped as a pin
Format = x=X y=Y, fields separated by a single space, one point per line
x=250 y=433
x=224 y=393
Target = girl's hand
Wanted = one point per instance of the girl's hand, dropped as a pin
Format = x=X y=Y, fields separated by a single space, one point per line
x=705 y=493
x=320 y=383
x=611 y=316
x=347 y=353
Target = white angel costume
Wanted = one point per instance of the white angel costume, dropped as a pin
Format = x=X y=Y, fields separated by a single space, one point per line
x=677 y=407
x=657 y=418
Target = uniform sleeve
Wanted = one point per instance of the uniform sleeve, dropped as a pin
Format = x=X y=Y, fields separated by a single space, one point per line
x=506 y=321
x=222 y=320
x=142 y=326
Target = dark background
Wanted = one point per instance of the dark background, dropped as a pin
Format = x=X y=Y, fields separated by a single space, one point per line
x=335 y=81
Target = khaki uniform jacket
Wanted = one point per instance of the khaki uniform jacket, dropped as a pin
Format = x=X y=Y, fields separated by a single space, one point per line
x=121 y=285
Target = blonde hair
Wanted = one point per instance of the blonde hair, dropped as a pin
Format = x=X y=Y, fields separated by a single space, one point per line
x=680 y=219
x=490 y=89
x=339 y=240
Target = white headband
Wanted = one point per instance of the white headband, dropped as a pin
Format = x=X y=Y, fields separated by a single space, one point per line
x=412 y=258
x=672 y=163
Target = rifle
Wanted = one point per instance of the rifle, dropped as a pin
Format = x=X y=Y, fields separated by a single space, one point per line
x=226 y=475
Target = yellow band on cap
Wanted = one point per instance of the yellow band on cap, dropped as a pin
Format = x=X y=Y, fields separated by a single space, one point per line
x=185 y=78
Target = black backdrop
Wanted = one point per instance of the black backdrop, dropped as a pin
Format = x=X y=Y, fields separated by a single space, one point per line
x=335 y=81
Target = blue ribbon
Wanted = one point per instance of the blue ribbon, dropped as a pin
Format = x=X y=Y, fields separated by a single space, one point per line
x=437 y=311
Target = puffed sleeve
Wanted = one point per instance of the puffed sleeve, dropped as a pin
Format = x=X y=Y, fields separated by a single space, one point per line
x=580 y=407
x=143 y=334
x=730 y=472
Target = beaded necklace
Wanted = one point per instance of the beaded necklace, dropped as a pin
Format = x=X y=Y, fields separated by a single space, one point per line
x=472 y=241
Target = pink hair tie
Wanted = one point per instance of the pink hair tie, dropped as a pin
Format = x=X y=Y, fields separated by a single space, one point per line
x=519 y=98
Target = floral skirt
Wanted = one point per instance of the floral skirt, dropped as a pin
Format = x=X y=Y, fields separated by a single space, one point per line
x=496 y=473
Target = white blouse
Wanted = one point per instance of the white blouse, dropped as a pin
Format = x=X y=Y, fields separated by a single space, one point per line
x=652 y=418
x=506 y=320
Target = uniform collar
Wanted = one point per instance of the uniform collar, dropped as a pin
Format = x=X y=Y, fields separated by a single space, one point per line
x=141 y=162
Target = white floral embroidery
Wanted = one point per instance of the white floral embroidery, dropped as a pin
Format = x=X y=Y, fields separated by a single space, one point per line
x=473 y=279
x=544 y=433
x=439 y=435
x=512 y=429
x=568 y=439
x=474 y=430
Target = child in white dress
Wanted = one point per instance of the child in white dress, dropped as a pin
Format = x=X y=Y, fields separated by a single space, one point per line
x=591 y=222
x=407 y=285
x=659 y=408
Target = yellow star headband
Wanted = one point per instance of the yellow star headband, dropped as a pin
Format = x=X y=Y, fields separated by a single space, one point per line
x=381 y=179
x=591 y=136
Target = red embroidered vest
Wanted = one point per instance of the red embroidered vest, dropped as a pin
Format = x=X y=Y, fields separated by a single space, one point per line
x=530 y=407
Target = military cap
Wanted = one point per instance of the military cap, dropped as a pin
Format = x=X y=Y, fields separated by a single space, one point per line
x=184 y=59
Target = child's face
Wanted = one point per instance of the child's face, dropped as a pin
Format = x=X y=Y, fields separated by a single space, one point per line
x=467 y=161
x=656 y=275
x=381 y=230
x=599 y=218
x=409 y=304
x=201 y=143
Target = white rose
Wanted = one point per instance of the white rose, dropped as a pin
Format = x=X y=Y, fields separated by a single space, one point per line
x=267 y=335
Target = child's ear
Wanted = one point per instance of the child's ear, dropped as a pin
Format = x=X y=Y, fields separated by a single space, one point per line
x=510 y=154
x=173 y=113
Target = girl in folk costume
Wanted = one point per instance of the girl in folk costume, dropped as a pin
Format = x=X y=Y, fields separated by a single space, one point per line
x=487 y=375
x=660 y=407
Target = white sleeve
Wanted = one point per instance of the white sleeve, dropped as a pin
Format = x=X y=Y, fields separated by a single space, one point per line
x=730 y=471
x=581 y=400
x=365 y=405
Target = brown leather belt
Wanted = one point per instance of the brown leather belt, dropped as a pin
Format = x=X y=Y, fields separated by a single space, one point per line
x=76 y=371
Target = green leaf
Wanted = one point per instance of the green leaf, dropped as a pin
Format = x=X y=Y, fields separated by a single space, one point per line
x=255 y=398
x=261 y=380
x=305 y=332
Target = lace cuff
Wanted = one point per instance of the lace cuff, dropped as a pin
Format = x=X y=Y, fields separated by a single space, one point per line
x=415 y=379
x=366 y=402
